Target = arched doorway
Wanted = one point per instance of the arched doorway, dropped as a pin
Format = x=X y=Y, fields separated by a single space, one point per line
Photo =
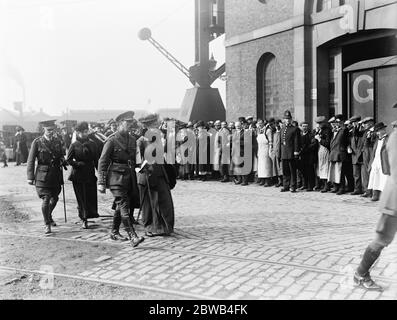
x=267 y=86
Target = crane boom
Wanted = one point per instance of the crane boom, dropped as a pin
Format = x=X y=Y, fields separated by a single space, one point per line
x=171 y=58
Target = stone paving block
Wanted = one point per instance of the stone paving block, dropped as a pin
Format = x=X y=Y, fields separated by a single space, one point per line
x=108 y=274
x=123 y=274
x=188 y=277
x=214 y=289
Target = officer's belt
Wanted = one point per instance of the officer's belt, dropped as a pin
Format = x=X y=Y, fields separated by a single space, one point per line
x=128 y=164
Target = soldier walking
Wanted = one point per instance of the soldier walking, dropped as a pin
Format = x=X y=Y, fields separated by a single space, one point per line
x=116 y=170
x=387 y=224
x=48 y=176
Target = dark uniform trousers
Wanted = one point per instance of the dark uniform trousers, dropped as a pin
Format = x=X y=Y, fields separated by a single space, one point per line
x=289 y=173
x=116 y=170
x=290 y=145
x=347 y=174
x=48 y=175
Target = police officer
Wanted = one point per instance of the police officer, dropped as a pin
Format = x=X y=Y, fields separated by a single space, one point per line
x=48 y=176
x=116 y=169
x=290 y=146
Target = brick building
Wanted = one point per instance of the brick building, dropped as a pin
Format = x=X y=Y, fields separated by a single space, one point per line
x=313 y=57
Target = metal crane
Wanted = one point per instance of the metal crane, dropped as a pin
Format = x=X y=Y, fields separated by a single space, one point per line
x=200 y=102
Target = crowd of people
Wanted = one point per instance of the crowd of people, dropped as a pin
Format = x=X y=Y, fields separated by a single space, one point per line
x=139 y=161
x=339 y=155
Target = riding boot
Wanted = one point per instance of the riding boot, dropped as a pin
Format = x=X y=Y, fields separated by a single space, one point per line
x=45 y=209
x=115 y=233
x=52 y=205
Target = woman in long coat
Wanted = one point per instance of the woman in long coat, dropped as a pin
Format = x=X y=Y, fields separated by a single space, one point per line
x=83 y=157
x=265 y=148
x=155 y=182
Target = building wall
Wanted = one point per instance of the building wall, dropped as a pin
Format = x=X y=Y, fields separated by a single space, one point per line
x=242 y=60
x=242 y=16
x=300 y=34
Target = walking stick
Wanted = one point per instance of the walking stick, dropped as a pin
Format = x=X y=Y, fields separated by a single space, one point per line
x=64 y=201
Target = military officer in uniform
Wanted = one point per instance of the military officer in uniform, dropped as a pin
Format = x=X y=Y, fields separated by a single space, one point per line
x=387 y=224
x=290 y=146
x=48 y=176
x=116 y=170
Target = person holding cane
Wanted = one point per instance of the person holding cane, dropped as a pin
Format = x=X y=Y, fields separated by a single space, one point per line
x=48 y=176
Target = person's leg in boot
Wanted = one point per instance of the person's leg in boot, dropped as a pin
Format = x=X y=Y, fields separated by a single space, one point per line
x=364 y=181
x=357 y=180
x=244 y=180
x=123 y=204
x=267 y=182
x=279 y=181
x=342 y=186
x=375 y=195
x=318 y=185
x=362 y=275
x=115 y=233
x=53 y=203
x=45 y=209
x=294 y=171
x=326 y=187
x=311 y=177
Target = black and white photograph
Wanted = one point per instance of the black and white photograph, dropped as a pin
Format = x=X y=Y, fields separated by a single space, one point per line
x=207 y=152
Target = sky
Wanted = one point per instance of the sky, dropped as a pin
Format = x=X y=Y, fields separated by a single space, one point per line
x=73 y=54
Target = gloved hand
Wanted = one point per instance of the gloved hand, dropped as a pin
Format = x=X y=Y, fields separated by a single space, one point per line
x=101 y=188
x=31 y=182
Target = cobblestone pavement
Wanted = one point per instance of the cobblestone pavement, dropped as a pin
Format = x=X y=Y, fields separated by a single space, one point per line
x=232 y=242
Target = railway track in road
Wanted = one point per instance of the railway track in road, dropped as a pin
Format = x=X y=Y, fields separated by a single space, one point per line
x=189 y=253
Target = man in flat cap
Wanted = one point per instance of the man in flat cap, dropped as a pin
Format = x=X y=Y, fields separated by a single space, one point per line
x=339 y=158
x=356 y=148
x=323 y=135
x=48 y=176
x=370 y=138
x=290 y=147
x=116 y=170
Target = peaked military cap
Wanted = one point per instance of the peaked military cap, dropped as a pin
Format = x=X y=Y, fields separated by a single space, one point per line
x=48 y=123
x=355 y=119
x=81 y=126
x=331 y=120
x=126 y=116
x=111 y=121
x=287 y=115
x=242 y=119
x=319 y=119
x=394 y=124
x=249 y=118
